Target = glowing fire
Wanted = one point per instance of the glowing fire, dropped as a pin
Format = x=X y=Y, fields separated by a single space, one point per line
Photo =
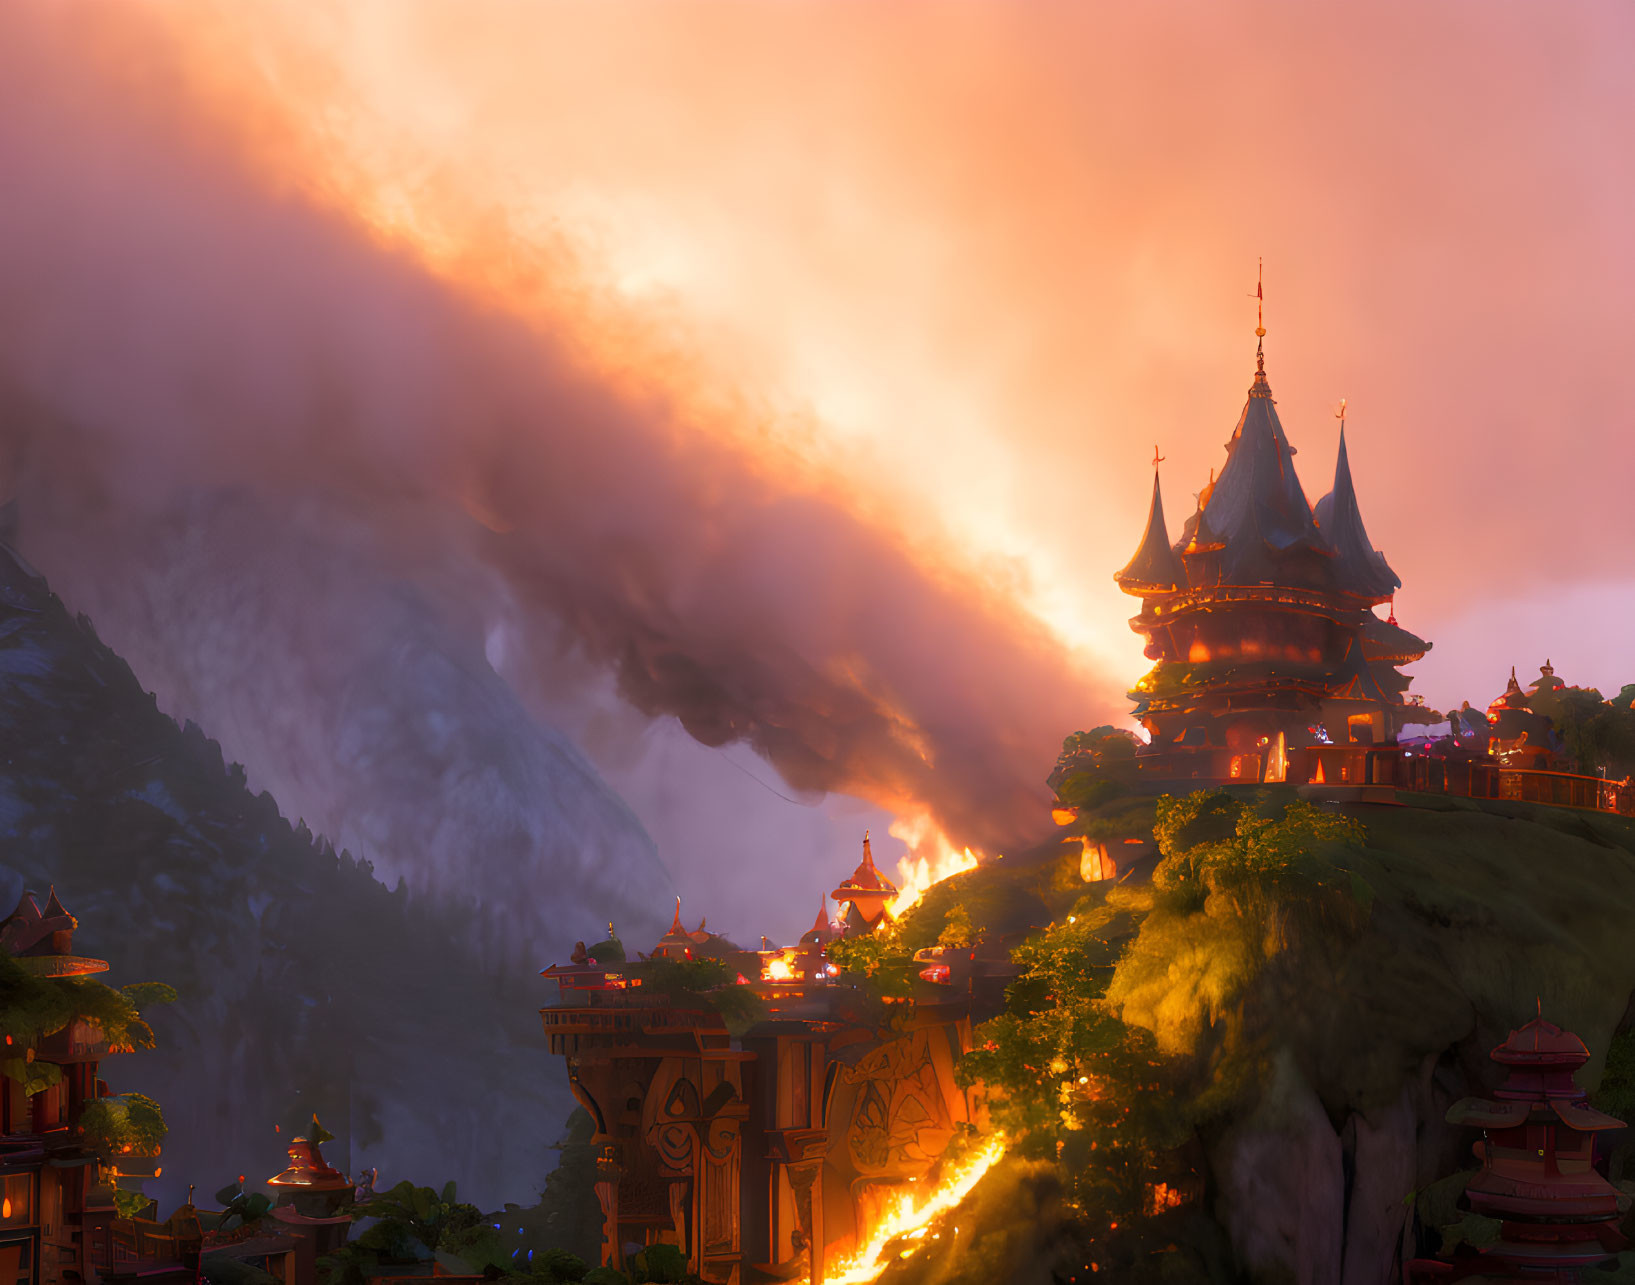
x=910 y=1217
x=931 y=859
x=1095 y=863
x=778 y=969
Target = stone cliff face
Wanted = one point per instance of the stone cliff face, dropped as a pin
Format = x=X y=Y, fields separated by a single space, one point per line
x=305 y=984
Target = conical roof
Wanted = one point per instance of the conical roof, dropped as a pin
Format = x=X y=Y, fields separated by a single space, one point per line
x=1257 y=511
x=866 y=878
x=1359 y=567
x=1155 y=568
x=1513 y=698
x=1547 y=680
x=821 y=930
x=677 y=936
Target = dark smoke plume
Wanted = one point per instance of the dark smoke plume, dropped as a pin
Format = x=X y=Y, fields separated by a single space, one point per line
x=248 y=440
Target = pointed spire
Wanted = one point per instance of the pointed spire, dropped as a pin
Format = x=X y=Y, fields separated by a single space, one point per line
x=1359 y=568
x=866 y=878
x=675 y=924
x=53 y=906
x=1154 y=568
x=1260 y=333
x=821 y=923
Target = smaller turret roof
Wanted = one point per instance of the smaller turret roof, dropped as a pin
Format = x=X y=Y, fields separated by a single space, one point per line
x=1547 y=680
x=1154 y=568
x=1359 y=567
x=822 y=930
x=1513 y=698
x=865 y=879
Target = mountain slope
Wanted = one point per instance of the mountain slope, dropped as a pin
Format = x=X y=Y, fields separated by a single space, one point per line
x=304 y=984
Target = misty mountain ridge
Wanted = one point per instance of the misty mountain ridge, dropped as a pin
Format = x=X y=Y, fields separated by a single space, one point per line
x=304 y=983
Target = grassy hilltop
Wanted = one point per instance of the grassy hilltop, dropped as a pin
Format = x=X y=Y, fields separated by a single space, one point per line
x=1232 y=1062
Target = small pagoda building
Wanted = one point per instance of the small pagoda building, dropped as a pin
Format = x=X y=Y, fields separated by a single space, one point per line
x=1557 y=1214
x=312 y=1197
x=1546 y=683
x=866 y=894
x=823 y=929
x=1520 y=737
x=1260 y=618
x=58 y=1220
x=677 y=943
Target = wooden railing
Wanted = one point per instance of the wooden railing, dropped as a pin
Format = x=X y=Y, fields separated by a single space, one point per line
x=1390 y=767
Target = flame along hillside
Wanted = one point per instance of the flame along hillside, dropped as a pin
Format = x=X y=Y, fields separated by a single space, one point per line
x=1234 y=1019
x=757 y=1110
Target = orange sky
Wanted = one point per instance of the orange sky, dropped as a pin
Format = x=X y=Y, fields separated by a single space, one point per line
x=948 y=270
x=995 y=251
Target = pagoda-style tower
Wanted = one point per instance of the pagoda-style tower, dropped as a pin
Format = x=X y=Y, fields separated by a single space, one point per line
x=867 y=894
x=1521 y=737
x=1260 y=616
x=1558 y=1214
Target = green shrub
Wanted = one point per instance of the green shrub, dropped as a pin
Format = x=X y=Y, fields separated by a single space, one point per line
x=129 y=1124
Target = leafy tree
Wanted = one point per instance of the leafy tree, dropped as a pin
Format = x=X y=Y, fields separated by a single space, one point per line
x=1086 y=754
x=32 y=1008
x=1598 y=736
x=879 y=962
x=129 y=1124
x=241 y=1208
x=1068 y=1081
x=551 y=1267
x=1100 y=1061
x=957 y=929
x=413 y=1224
x=607 y=952
x=660 y=1265
x=710 y=982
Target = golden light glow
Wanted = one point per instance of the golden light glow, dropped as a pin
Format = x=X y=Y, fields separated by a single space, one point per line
x=1162 y=1196
x=5 y=1207
x=909 y=1216
x=1095 y=863
x=1063 y=816
x=780 y=968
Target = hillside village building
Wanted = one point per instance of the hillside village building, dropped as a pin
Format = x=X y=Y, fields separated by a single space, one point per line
x=764 y=1156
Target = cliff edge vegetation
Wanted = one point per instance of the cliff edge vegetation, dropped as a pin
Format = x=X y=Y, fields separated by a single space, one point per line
x=1232 y=1061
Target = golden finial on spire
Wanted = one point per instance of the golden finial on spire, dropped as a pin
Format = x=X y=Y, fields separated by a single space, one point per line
x=1157 y=459
x=1260 y=298
x=1260 y=315
x=1340 y=414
